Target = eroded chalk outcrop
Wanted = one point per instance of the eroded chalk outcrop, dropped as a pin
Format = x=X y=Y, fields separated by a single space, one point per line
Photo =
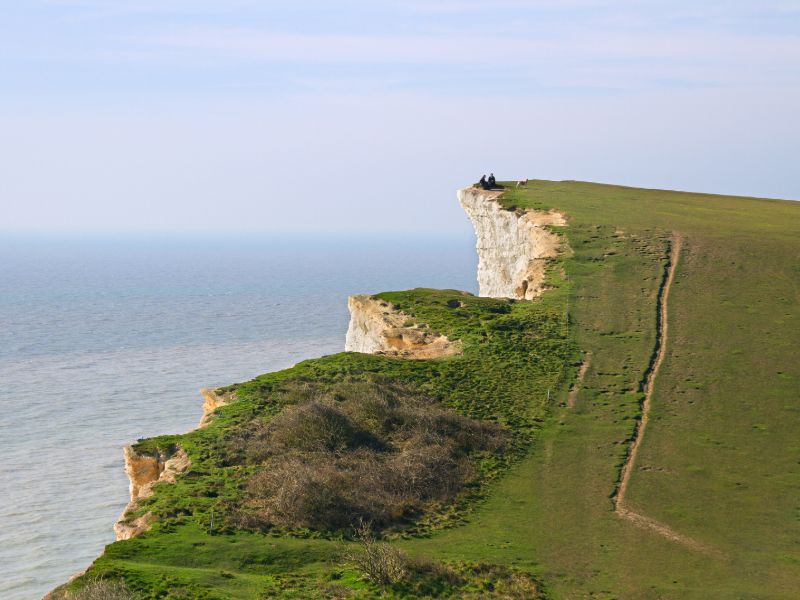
x=144 y=471
x=513 y=247
x=377 y=327
x=212 y=400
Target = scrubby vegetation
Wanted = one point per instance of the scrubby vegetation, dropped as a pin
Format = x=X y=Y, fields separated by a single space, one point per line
x=356 y=452
x=398 y=574
x=98 y=589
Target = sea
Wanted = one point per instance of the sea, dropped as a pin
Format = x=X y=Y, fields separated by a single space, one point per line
x=104 y=341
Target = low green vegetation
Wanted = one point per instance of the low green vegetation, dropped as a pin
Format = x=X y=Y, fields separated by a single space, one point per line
x=525 y=509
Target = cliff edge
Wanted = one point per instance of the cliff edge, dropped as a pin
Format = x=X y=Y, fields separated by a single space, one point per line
x=144 y=471
x=513 y=247
x=378 y=327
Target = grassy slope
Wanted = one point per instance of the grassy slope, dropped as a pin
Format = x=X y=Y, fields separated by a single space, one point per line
x=721 y=457
x=722 y=448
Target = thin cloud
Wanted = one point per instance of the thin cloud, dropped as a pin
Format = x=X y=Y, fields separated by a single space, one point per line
x=723 y=56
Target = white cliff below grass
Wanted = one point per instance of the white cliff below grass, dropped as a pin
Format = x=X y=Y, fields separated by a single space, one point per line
x=377 y=327
x=144 y=471
x=513 y=247
x=212 y=400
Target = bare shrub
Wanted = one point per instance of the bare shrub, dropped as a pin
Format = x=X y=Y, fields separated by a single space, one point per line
x=296 y=392
x=313 y=427
x=427 y=469
x=99 y=589
x=293 y=493
x=381 y=563
x=371 y=407
x=249 y=443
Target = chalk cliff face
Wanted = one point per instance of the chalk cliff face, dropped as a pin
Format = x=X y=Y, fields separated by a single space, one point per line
x=212 y=400
x=513 y=251
x=144 y=471
x=377 y=327
x=513 y=248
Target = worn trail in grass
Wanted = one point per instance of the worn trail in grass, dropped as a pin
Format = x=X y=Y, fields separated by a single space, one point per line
x=662 y=330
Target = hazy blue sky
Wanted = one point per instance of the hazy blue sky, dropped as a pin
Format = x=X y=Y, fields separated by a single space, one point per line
x=221 y=116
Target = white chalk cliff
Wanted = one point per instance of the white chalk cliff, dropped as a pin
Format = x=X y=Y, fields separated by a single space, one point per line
x=377 y=327
x=513 y=246
x=212 y=400
x=144 y=471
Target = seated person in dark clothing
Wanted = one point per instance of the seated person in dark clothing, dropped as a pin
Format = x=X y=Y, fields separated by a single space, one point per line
x=484 y=184
x=493 y=185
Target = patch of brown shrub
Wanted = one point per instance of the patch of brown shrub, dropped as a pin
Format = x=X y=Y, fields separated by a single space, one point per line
x=98 y=589
x=353 y=452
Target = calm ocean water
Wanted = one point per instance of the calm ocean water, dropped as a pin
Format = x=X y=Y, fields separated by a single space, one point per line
x=105 y=342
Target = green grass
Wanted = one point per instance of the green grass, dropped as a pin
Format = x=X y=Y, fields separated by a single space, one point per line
x=721 y=451
x=721 y=455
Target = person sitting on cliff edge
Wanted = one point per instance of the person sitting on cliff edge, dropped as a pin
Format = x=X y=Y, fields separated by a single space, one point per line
x=491 y=184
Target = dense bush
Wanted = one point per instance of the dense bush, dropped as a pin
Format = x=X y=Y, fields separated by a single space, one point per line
x=349 y=452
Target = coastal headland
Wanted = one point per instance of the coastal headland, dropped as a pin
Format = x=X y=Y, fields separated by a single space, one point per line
x=604 y=419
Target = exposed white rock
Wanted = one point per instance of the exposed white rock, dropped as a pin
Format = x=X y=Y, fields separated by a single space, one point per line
x=377 y=327
x=513 y=247
x=144 y=471
x=211 y=402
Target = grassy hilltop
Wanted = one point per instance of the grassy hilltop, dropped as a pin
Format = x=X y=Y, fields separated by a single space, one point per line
x=537 y=418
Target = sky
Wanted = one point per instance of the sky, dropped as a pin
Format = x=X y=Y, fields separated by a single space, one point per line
x=362 y=117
